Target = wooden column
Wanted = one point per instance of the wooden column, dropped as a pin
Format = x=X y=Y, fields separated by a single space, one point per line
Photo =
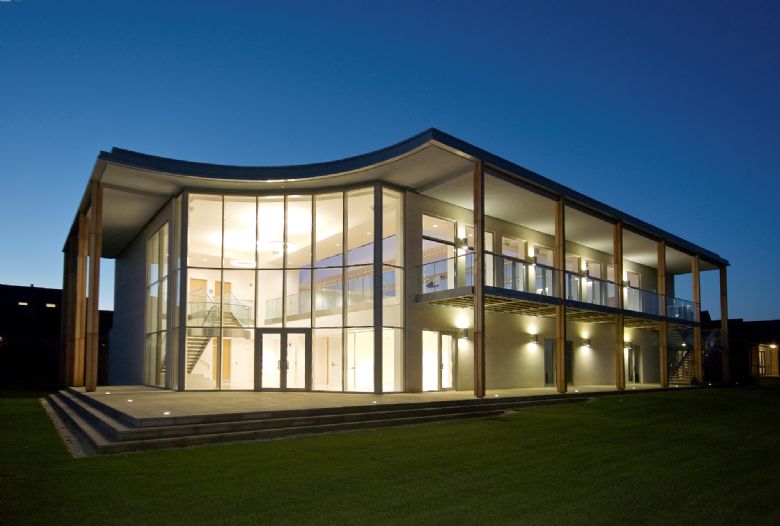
x=479 y=280
x=560 y=290
x=93 y=312
x=80 y=301
x=698 y=355
x=724 y=326
x=620 y=361
x=67 y=311
x=662 y=326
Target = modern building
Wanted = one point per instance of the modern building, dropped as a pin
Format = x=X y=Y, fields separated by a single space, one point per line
x=427 y=265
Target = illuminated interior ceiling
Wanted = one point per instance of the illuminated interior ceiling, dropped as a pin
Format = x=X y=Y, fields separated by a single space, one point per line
x=503 y=200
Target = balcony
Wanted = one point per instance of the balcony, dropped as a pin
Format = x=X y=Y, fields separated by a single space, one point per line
x=643 y=301
x=501 y=272
x=586 y=289
x=681 y=310
x=516 y=284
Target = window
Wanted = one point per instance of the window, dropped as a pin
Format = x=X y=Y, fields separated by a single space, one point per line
x=156 y=307
x=438 y=254
x=296 y=261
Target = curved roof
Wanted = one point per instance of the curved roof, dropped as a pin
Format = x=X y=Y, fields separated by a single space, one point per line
x=413 y=156
x=261 y=173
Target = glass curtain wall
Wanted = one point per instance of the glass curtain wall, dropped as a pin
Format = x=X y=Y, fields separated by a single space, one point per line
x=295 y=261
x=392 y=291
x=156 y=307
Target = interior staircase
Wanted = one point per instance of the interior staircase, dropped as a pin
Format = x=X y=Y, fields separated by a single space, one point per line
x=105 y=429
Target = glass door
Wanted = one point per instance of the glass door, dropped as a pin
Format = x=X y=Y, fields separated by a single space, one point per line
x=284 y=358
x=438 y=361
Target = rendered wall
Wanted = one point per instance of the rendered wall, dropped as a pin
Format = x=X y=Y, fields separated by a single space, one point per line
x=511 y=361
x=126 y=353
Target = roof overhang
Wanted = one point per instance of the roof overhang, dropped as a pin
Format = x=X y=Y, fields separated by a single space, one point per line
x=136 y=186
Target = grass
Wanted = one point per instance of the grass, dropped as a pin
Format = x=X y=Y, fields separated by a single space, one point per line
x=705 y=456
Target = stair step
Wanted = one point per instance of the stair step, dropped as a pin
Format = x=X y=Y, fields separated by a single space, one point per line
x=108 y=431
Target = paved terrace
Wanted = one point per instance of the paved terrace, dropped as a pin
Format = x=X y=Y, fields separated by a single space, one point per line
x=141 y=402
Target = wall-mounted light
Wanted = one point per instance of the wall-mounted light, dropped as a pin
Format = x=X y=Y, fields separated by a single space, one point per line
x=773 y=346
x=534 y=338
x=684 y=344
x=464 y=333
x=627 y=345
x=586 y=342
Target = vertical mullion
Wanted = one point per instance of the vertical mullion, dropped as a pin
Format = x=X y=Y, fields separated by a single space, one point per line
x=378 y=293
x=221 y=296
x=344 y=263
x=181 y=369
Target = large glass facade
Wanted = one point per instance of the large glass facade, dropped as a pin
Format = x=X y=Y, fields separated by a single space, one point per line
x=155 y=359
x=286 y=264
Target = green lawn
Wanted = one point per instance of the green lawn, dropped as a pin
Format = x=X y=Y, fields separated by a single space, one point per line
x=706 y=456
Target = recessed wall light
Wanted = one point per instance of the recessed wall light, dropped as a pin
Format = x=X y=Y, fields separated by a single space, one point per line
x=50 y=305
x=23 y=303
x=534 y=338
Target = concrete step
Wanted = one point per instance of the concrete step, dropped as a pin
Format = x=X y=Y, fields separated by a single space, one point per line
x=119 y=431
x=107 y=433
x=94 y=439
x=505 y=403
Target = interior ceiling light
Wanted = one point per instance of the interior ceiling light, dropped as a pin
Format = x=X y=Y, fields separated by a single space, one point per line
x=245 y=263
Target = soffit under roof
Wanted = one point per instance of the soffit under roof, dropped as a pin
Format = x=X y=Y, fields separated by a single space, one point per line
x=423 y=162
x=133 y=196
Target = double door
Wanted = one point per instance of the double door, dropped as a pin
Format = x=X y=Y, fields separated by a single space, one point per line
x=284 y=359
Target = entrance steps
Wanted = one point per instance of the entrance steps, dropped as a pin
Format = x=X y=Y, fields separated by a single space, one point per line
x=108 y=430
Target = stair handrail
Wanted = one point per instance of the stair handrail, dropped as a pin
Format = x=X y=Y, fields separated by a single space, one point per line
x=244 y=314
x=208 y=300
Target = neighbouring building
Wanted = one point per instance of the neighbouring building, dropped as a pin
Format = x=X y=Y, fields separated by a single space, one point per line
x=753 y=347
x=30 y=337
x=427 y=265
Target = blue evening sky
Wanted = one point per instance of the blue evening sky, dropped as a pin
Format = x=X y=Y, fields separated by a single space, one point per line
x=668 y=110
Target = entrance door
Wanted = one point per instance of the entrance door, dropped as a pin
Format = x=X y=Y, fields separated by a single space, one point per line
x=438 y=361
x=284 y=359
x=550 y=372
x=633 y=369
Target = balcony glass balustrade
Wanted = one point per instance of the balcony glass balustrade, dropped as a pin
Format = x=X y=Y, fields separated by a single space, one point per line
x=681 y=309
x=644 y=301
x=591 y=290
x=502 y=272
x=514 y=274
